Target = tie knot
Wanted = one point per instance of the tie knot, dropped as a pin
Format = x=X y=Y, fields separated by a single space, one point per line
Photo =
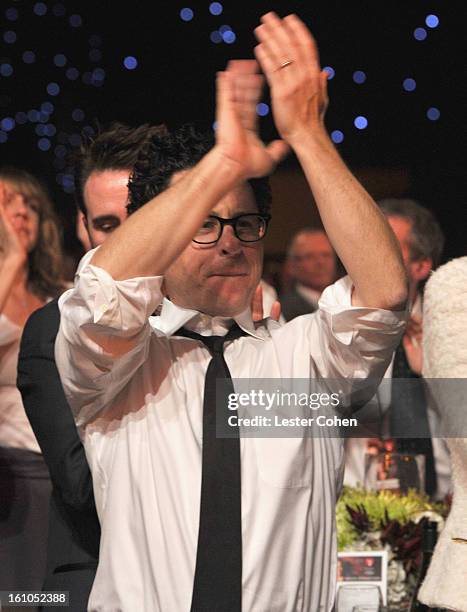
x=215 y=344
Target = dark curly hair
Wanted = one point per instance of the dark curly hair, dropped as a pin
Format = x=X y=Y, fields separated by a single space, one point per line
x=181 y=149
x=114 y=148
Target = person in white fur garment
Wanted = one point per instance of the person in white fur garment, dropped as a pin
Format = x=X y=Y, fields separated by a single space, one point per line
x=445 y=357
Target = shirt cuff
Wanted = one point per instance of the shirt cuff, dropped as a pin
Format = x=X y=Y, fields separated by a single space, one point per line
x=346 y=320
x=123 y=305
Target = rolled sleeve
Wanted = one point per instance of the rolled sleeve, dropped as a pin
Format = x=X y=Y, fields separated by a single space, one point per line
x=357 y=342
x=104 y=335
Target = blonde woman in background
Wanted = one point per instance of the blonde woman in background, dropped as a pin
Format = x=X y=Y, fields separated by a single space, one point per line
x=30 y=275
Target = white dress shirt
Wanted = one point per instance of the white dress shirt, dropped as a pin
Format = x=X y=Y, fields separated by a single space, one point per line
x=136 y=390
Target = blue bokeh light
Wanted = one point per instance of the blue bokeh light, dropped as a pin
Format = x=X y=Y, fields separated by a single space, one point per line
x=216 y=37
x=47 y=107
x=432 y=21
x=77 y=114
x=50 y=129
x=53 y=89
x=44 y=144
x=409 y=84
x=40 y=9
x=130 y=62
x=420 y=34
x=433 y=113
x=214 y=126
x=60 y=60
x=29 y=57
x=262 y=109
x=75 y=21
x=360 y=122
x=88 y=130
x=224 y=28
x=40 y=129
x=72 y=74
x=9 y=37
x=229 y=37
x=43 y=117
x=3 y=137
x=7 y=124
x=337 y=136
x=68 y=180
x=33 y=115
x=11 y=14
x=215 y=8
x=98 y=75
x=186 y=14
x=359 y=77
x=331 y=72
x=6 y=70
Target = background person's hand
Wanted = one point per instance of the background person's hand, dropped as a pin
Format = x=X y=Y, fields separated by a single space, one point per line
x=412 y=342
x=257 y=311
x=11 y=246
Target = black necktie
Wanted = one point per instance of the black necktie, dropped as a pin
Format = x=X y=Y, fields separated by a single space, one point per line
x=218 y=574
x=408 y=413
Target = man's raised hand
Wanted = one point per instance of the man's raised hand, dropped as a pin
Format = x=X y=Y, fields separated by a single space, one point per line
x=238 y=92
x=288 y=56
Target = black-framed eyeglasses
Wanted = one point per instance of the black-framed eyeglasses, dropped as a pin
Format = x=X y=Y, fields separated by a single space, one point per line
x=249 y=227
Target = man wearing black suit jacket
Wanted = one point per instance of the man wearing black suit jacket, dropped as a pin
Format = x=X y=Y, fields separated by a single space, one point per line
x=103 y=169
x=313 y=267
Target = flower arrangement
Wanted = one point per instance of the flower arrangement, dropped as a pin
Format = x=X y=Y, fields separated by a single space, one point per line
x=375 y=520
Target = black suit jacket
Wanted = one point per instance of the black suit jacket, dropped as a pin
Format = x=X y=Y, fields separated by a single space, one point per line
x=294 y=305
x=74 y=531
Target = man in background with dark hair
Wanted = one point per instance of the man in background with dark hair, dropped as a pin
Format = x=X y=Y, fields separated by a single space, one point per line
x=421 y=241
x=103 y=167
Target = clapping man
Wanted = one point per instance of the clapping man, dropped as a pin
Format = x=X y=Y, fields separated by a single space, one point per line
x=190 y=520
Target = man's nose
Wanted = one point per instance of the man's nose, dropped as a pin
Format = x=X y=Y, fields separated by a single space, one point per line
x=228 y=242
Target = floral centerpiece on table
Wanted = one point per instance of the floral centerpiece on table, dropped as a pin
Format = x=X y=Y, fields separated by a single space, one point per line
x=383 y=520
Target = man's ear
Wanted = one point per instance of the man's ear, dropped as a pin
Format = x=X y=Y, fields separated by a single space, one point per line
x=421 y=269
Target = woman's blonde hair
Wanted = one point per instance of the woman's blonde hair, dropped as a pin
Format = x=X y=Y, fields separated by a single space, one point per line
x=45 y=277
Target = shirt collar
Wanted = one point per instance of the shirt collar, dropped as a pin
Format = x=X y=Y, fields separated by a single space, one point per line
x=173 y=317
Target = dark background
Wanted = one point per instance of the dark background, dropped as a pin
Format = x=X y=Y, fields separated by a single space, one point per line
x=174 y=83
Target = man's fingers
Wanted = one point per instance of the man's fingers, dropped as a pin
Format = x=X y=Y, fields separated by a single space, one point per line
x=303 y=39
x=247 y=93
x=257 y=304
x=225 y=97
x=267 y=63
x=274 y=33
x=276 y=311
x=277 y=150
x=243 y=66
